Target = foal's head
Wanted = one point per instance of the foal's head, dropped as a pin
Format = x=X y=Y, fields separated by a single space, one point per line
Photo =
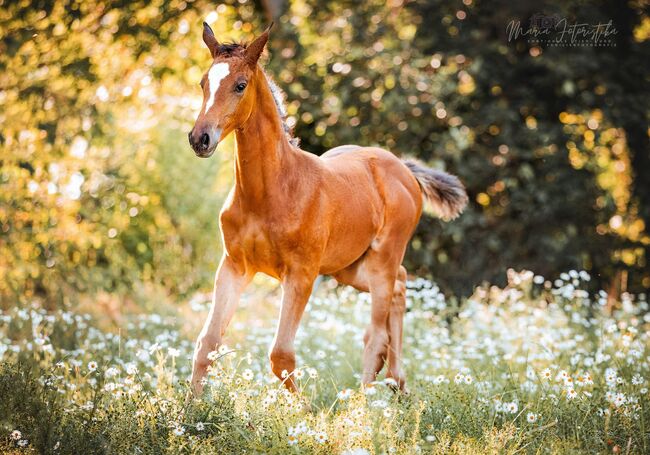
x=228 y=97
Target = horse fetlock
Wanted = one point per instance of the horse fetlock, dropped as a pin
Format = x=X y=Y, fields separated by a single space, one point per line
x=282 y=360
x=376 y=337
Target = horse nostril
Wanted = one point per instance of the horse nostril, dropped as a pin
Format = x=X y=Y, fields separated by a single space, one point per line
x=204 y=140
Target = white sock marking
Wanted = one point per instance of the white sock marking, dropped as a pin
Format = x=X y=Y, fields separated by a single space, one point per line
x=216 y=74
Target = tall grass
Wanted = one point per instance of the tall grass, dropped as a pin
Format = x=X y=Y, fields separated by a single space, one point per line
x=535 y=367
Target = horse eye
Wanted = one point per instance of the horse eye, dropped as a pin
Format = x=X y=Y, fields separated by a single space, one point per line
x=240 y=87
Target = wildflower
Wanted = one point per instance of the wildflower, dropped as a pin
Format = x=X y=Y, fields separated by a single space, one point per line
x=298 y=374
x=301 y=427
x=388 y=413
x=379 y=404
x=179 y=430
x=344 y=394
x=356 y=451
x=111 y=372
x=292 y=440
x=459 y=378
x=172 y=352
x=468 y=379
x=23 y=443
x=571 y=393
x=110 y=386
x=637 y=379
x=321 y=437
x=562 y=376
x=213 y=355
x=546 y=374
x=312 y=372
x=512 y=407
x=370 y=389
x=131 y=369
x=430 y=438
x=92 y=366
x=247 y=374
x=619 y=400
x=531 y=418
x=439 y=379
x=530 y=373
x=284 y=374
x=16 y=435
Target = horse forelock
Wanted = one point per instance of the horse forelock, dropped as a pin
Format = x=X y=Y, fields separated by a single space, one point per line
x=232 y=49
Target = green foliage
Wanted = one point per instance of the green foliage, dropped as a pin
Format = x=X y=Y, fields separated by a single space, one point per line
x=100 y=192
x=439 y=80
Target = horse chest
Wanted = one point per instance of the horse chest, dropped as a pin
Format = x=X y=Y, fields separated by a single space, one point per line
x=260 y=244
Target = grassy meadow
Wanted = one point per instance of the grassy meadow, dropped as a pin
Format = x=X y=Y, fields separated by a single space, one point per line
x=536 y=367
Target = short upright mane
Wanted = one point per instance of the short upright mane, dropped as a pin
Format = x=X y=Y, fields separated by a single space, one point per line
x=237 y=50
x=279 y=97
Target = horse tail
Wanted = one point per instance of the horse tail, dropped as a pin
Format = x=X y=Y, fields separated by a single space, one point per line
x=444 y=195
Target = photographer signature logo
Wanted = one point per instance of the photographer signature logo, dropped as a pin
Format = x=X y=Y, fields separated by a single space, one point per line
x=554 y=30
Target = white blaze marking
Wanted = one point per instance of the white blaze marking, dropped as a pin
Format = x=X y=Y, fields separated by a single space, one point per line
x=215 y=76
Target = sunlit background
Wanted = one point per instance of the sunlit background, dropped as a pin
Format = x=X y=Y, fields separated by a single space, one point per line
x=109 y=235
x=100 y=192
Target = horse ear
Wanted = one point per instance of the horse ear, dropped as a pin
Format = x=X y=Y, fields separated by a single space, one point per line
x=210 y=40
x=254 y=49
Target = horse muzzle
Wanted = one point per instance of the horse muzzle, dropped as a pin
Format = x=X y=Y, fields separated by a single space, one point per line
x=204 y=141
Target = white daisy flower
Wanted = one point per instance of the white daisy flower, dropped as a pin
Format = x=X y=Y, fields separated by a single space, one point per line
x=321 y=437
x=344 y=394
x=247 y=374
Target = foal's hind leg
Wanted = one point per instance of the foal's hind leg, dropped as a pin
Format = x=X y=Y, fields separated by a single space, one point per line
x=395 y=326
x=375 y=272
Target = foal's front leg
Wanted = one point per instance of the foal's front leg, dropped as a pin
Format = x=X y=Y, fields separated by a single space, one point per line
x=228 y=286
x=296 y=289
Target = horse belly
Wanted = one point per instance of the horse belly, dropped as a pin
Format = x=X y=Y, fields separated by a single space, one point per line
x=356 y=223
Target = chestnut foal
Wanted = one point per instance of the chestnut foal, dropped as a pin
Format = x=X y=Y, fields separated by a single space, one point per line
x=293 y=215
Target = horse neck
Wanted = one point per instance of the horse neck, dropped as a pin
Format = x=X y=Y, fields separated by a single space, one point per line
x=262 y=147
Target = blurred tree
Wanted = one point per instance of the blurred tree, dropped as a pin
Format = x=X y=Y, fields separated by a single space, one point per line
x=94 y=169
x=542 y=136
x=99 y=191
